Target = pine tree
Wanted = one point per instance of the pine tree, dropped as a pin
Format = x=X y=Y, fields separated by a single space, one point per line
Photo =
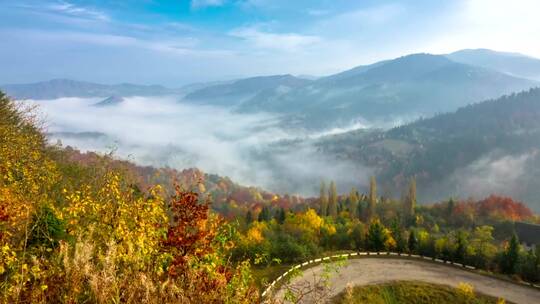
x=353 y=203
x=358 y=236
x=323 y=200
x=397 y=234
x=372 y=200
x=376 y=237
x=264 y=215
x=511 y=255
x=280 y=216
x=332 y=200
x=249 y=217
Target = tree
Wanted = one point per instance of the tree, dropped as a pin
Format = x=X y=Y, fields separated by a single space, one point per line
x=323 y=200
x=377 y=236
x=332 y=200
x=397 y=234
x=264 y=215
x=353 y=203
x=358 y=236
x=410 y=202
x=372 y=197
x=280 y=216
x=461 y=247
x=482 y=245
x=249 y=217
x=511 y=255
x=450 y=208
x=412 y=243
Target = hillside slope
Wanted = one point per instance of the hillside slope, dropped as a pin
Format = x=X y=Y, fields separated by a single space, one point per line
x=488 y=147
x=58 y=88
x=509 y=63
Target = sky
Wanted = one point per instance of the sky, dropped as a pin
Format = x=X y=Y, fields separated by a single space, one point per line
x=177 y=42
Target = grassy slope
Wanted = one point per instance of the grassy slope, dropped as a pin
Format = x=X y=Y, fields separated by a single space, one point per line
x=409 y=292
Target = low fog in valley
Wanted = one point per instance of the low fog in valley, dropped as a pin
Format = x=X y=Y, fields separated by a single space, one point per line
x=251 y=149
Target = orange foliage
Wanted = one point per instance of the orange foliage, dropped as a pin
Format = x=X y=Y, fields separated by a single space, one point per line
x=503 y=207
x=190 y=234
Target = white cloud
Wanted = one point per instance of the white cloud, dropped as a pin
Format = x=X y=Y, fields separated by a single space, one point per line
x=495 y=24
x=196 y=4
x=290 y=42
x=73 y=10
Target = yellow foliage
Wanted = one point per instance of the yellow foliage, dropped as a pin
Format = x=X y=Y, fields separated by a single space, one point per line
x=466 y=289
x=113 y=214
x=255 y=232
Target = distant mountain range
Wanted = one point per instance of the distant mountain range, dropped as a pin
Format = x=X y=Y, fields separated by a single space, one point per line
x=400 y=89
x=237 y=92
x=488 y=147
x=510 y=63
x=58 y=88
x=385 y=93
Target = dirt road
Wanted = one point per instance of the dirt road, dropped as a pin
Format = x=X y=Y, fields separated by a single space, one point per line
x=377 y=270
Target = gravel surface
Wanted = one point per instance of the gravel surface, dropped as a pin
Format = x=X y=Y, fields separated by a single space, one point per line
x=366 y=271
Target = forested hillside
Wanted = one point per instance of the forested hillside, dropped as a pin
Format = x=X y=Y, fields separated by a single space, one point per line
x=447 y=153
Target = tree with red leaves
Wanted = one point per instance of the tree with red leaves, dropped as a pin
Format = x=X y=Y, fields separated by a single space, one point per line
x=190 y=233
x=503 y=208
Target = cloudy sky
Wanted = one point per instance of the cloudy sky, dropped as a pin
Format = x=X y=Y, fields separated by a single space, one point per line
x=175 y=42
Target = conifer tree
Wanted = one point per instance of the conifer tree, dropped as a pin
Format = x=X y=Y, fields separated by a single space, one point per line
x=511 y=255
x=249 y=217
x=376 y=237
x=280 y=216
x=264 y=215
x=332 y=200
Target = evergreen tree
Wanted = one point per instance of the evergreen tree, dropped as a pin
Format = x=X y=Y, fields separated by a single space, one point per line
x=323 y=200
x=511 y=255
x=249 y=217
x=397 y=234
x=358 y=236
x=372 y=200
x=376 y=237
x=332 y=200
x=412 y=243
x=264 y=215
x=353 y=203
x=280 y=216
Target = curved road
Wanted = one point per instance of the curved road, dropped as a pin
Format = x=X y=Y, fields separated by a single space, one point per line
x=366 y=271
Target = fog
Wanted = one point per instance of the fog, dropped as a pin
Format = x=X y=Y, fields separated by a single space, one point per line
x=251 y=149
x=497 y=172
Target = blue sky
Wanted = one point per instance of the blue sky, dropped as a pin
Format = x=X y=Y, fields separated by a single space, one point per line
x=175 y=42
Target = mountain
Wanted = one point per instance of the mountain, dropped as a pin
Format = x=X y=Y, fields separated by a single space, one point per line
x=510 y=63
x=234 y=93
x=401 y=89
x=110 y=101
x=488 y=147
x=58 y=88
